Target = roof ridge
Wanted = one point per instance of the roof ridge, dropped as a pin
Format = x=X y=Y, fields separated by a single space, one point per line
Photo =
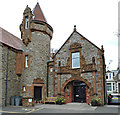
x=70 y=37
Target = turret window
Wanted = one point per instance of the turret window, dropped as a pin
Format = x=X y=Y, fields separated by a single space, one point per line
x=26 y=61
x=51 y=69
x=26 y=22
x=24 y=88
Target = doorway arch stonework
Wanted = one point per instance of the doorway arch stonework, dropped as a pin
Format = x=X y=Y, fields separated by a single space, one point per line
x=78 y=78
x=38 y=82
x=88 y=84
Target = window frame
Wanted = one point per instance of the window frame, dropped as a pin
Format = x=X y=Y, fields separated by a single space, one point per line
x=114 y=87
x=109 y=86
x=51 y=69
x=110 y=77
x=106 y=76
x=74 y=59
x=24 y=88
x=26 y=61
x=26 y=22
x=119 y=76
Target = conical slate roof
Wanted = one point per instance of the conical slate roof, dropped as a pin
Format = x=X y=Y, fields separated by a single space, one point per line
x=38 y=14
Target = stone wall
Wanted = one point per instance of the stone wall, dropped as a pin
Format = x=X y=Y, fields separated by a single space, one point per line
x=1 y=75
x=13 y=81
x=0 y=69
x=51 y=86
x=38 y=51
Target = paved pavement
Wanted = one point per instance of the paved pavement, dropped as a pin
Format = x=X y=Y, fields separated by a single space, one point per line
x=66 y=108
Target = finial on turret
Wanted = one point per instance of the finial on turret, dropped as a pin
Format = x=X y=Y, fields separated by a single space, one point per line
x=74 y=27
x=102 y=48
x=37 y=2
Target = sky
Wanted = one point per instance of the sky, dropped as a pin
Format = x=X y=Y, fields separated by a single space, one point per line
x=97 y=20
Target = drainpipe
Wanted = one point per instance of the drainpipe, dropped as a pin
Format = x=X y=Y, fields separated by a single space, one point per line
x=60 y=75
x=105 y=93
x=60 y=79
x=6 y=78
x=47 y=76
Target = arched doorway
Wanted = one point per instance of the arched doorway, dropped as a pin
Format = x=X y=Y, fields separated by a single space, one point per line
x=77 y=91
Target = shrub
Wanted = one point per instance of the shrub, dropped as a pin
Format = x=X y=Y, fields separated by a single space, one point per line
x=107 y=96
x=96 y=101
x=60 y=100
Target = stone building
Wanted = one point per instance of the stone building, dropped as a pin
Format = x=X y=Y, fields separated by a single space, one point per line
x=76 y=71
x=10 y=83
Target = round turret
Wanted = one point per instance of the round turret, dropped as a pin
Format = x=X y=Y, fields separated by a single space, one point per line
x=36 y=34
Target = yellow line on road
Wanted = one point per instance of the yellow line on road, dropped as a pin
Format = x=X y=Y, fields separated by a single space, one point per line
x=34 y=110
x=21 y=112
x=31 y=111
x=9 y=112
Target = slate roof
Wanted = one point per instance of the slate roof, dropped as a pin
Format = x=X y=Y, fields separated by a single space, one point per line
x=116 y=78
x=38 y=14
x=10 y=40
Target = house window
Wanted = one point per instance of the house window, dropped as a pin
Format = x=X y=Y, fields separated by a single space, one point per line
x=106 y=76
x=76 y=60
x=119 y=76
x=26 y=61
x=26 y=22
x=109 y=75
x=113 y=74
x=113 y=86
x=108 y=86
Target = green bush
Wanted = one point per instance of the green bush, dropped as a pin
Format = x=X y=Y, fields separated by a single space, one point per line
x=60 y=100
x=96 y=101
x=107 y=96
